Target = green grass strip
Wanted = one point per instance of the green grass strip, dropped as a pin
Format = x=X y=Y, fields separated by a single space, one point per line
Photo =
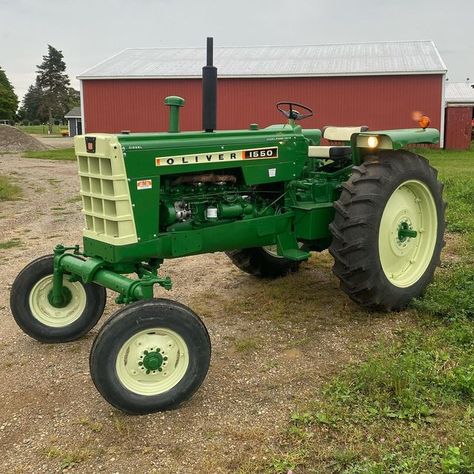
x=8 y=191
x=66 y=154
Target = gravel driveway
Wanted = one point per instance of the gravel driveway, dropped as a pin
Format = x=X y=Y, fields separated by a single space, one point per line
x=274 y=343
x=56 y=142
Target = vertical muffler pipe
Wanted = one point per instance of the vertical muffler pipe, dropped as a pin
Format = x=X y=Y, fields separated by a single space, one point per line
x=209 y=91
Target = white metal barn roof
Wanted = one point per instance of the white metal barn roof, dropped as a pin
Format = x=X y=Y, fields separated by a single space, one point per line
x=459 y=93
x=383 y=58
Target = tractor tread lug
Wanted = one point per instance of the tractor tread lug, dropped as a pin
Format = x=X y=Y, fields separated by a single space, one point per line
x=340 y=209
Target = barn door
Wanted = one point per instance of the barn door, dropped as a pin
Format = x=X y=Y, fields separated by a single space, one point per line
x=458 y=128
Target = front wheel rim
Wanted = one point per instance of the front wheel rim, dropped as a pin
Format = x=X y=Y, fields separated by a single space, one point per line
x=152 y=361
x=49 y=315
x=408 y=233
x=272 y=250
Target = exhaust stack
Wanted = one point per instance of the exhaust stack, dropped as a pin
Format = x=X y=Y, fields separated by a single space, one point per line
x=209 y=91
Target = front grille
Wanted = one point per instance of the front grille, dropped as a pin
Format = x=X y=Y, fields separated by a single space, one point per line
x=106 y=198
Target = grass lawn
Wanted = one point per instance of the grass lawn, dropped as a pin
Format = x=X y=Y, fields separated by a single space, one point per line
x=41 y=129
x=8 y=191
x=66 y=154
x=409 y=407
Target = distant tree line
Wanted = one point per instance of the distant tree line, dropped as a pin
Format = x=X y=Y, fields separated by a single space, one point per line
x=47 y=100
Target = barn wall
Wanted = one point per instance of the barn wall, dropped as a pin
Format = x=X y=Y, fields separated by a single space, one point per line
x=377 y=101
x=458 y=128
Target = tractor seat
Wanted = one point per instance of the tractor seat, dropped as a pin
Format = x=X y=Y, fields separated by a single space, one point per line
x=329 y=152
x=335 y=152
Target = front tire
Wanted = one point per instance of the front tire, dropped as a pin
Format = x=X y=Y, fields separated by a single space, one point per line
x=150 y=356
x=388 y=230
x=38 y=318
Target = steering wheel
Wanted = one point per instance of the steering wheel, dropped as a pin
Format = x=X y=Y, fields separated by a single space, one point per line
x=292 y=113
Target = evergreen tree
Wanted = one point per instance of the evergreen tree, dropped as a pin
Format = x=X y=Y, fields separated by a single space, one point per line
x=30 y=109
x=8 y=98
x=54 y=85
x=50 y=96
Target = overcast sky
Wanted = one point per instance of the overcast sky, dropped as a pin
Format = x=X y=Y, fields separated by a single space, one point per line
x=90 y=31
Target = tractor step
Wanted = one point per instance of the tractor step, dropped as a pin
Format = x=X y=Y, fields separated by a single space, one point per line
x=288 y=248
x=296 y=254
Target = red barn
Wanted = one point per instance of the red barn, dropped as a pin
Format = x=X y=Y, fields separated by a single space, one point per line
x=374 y=84
x=459 y=115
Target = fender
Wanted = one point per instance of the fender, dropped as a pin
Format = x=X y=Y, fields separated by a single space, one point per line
x=391 y=140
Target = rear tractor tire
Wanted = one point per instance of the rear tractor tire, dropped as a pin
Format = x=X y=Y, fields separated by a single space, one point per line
x=150 y=356
x=388 y=230
x=263 y=262
x=37 y=317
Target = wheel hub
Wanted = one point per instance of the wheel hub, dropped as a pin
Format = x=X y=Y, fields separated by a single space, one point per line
x=152 y=361
x=406 y=232
x=65 y=300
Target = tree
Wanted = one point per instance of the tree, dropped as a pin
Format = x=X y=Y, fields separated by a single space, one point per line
x=8 y=98
x=51 y=96
x=32 y=104
x=54 y=85
x=74 y=99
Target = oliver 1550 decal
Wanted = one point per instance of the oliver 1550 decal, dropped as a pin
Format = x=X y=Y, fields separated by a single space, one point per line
x=251 y=154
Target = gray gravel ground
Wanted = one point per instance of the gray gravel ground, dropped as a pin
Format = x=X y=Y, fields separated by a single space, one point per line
x=263 y=365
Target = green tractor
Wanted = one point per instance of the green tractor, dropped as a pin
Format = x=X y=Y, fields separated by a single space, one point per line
x=267 y=197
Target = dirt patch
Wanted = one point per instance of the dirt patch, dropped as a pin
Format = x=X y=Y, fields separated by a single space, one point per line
x=56 y=142
x=274 y=344
x=13 y=140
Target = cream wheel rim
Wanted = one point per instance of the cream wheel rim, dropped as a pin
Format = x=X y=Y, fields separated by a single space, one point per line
x=49 y=315
x=272 y=250
x=407 y=233
x=152 y=361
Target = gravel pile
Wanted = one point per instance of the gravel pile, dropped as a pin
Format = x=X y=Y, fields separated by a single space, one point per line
x=13 y=140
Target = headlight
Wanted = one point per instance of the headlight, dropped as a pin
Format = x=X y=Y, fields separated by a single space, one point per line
x=372 y=142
